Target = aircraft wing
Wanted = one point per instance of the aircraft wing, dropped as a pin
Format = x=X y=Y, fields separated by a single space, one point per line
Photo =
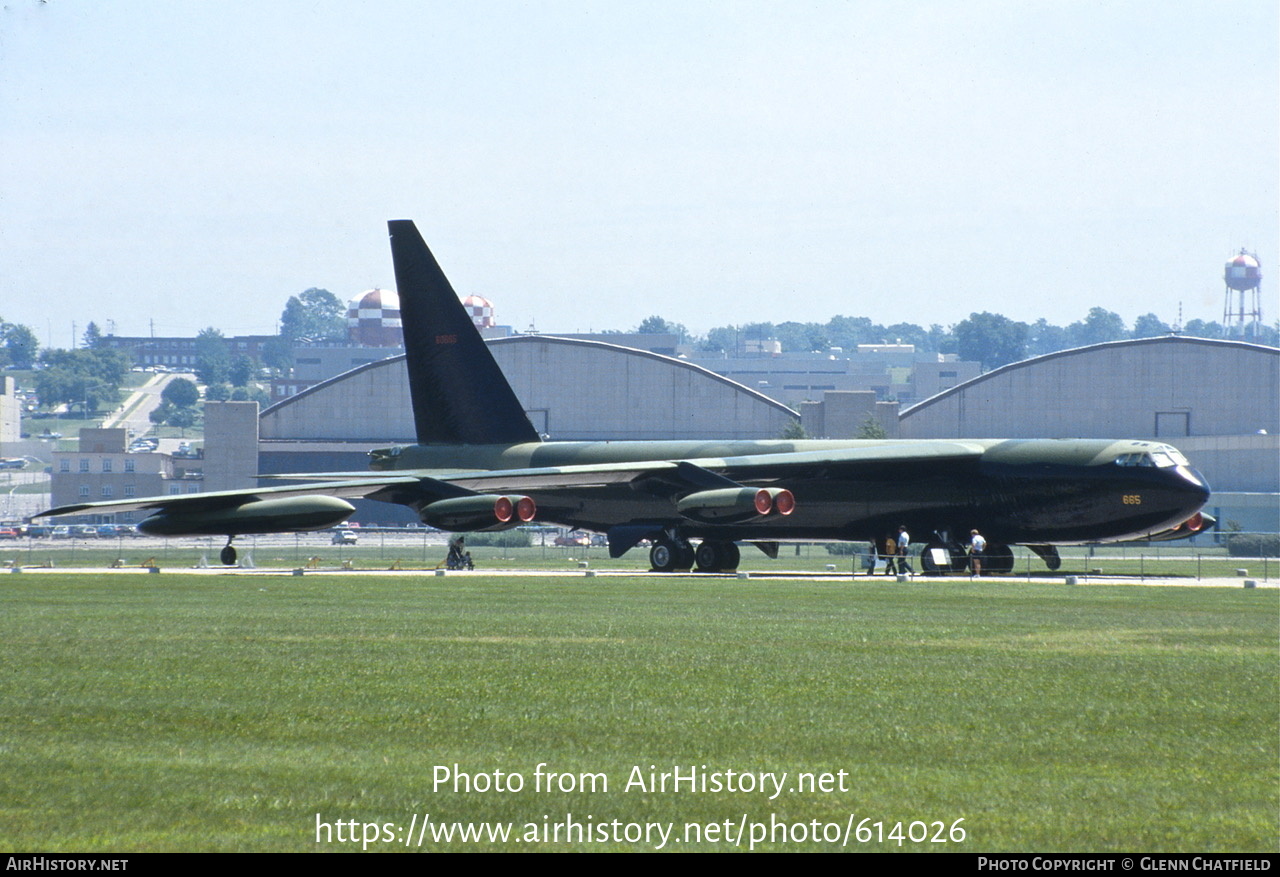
x=707 y=490
x=222 y=499
x=844 y=460
x=682 y=475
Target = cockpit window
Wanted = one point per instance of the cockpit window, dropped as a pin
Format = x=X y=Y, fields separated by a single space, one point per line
x=1163 y=458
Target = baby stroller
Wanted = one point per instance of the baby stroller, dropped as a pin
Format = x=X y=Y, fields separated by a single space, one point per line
x=458 y=558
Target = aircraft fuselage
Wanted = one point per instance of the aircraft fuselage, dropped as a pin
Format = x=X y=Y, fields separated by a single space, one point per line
x=1035 y=491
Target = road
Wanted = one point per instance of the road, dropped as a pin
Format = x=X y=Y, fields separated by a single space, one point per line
x=135 y=413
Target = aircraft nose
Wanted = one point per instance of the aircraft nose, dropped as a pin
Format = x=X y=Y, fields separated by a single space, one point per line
x=1192 y=485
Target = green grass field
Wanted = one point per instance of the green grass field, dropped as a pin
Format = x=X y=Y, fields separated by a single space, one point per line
x=169 y=712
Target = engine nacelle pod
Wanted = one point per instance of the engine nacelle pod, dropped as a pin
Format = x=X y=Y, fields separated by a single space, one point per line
x=731 y=505
x=484 y=511
x=784 y=501
x=284 y=515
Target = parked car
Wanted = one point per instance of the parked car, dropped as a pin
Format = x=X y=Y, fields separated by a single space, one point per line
x=343 y=537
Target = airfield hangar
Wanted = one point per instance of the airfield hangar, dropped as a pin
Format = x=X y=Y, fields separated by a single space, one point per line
x=572 y=390
x=1216 y=401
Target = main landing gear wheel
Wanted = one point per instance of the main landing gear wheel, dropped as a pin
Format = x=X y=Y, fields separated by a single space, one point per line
x=956 y=559
x=228 y=555
x=714 y=556
x=668 y=556
x=998 y=560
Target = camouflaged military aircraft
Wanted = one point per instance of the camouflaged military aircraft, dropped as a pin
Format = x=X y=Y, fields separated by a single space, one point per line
x=480 y=465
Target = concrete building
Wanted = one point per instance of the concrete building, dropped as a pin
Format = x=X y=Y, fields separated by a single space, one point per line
x=849 y=414
x=10 y=414
x=103 y=468
x=175 y=352
x=894 y=372
x=230 y=445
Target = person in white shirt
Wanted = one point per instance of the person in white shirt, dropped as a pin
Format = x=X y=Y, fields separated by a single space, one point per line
x=977 y=545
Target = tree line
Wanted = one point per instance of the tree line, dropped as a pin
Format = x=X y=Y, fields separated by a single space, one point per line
x=990 y=339
x=90 y=377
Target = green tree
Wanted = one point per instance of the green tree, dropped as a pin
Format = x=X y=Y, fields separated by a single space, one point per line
x=759 y=331
x=251 y=393
x=277 y=353
x=110 y=366
x=794 y=431
x=1201 y=329
x=181 y=393
x=64 y=386
x=991 y=339
x=92 y=336
x=656 y=325
x=1269 y=335
x=722 y=339
x=20 y=344
x=940 y=340
x=315 y=315
x=849 y=332
x=1150 y=326
x=910 y=333
x=217 y=392
x=242 y=370
x=173 y=415
x=871 y=429
x=1100 y=326
x=1044 y=337
x=183 y=418
x=802 y=337
x=213 y=359
x=86 y=378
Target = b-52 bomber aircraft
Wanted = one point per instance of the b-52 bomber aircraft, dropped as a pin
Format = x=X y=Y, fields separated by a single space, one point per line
x=480 y=465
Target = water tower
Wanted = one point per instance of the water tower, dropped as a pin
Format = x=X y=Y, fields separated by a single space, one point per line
x=1243 y=307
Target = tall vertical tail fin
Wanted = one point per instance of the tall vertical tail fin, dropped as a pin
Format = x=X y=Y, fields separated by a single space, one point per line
x=459 y=394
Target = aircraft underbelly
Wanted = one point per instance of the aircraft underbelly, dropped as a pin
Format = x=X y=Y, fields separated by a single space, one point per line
x=1009 y=504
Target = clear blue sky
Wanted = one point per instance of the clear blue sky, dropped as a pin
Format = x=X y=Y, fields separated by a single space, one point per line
x=587 y=164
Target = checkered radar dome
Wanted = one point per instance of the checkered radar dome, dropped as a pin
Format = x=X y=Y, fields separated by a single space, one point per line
x=373 y=319
x=481 y=311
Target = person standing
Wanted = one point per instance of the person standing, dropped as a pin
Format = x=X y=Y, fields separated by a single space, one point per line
x=890 y=551
x=904 y=551
x=977 y=546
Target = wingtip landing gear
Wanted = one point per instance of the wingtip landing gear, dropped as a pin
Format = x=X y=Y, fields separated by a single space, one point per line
x=228 y=555
x=1049 y=554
